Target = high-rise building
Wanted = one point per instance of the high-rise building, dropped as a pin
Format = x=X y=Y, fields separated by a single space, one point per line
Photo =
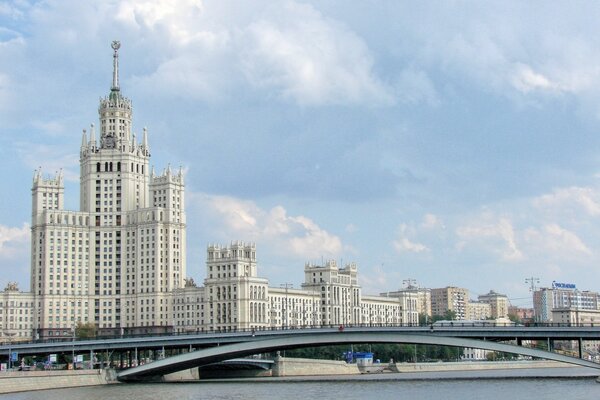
x=450 y=298
x=116 y=261
x=118 y=264
x=562 y=296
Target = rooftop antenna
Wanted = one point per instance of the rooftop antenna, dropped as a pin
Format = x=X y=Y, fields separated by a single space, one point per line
x=532 y=281
x=409 y=283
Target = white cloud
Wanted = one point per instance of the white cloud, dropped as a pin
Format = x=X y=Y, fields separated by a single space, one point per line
x=557 y=241
x=298 y=235
x=151 y=13
x=585 y=198
x=526 y=80
x=496 y=236
x=14 y=241
x=404 y=245
x=431 y=221
x=287 y=48
x=311 y=59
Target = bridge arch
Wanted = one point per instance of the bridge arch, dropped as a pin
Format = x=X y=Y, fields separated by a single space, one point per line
x=156 y=369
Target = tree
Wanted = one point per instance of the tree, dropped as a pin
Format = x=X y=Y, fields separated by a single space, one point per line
x=85 y=331
x=450 y=315
x=514 y=318
x=424 y=319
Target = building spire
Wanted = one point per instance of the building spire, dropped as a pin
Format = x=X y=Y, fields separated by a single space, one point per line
x=92 y=137
x=115 y=81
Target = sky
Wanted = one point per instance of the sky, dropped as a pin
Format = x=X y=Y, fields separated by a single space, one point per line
x=447 y=143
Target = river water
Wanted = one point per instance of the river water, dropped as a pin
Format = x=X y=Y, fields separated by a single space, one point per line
x=487 y=385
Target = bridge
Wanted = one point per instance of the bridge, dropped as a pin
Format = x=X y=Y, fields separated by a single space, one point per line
x=453 y=336
x=217 y=347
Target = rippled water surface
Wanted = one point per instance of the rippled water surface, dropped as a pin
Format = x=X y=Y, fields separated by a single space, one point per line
x=464 y=386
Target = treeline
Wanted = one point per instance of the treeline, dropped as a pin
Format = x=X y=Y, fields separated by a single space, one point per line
x=382 y=352
x=386 y=352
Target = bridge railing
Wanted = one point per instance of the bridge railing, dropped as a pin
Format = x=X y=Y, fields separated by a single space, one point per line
x=244 y=331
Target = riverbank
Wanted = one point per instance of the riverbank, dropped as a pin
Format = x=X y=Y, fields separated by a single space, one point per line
x=285 y=366
x=475 y=366
x=298 y=370
x=25 y=381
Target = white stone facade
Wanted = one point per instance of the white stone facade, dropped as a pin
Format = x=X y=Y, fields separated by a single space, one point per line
x=16 y=314
x=116 y=261
x=235 y=298
x=119 y=262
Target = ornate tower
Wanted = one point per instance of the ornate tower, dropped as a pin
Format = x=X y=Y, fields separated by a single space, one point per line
x=115 y=262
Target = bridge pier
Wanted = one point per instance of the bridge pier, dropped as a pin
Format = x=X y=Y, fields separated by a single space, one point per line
x=580 y=347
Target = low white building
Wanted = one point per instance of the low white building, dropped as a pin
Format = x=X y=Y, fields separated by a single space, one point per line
x=16 y=314
x=235 y=298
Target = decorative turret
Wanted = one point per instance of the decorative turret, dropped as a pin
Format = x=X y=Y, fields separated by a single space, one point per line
x=145 y=148
x=92 y=137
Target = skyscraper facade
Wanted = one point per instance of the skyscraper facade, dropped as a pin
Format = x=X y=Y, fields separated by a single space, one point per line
x=116 y=261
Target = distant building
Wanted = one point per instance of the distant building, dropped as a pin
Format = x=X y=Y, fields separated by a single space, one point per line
x=423 y=297
x=575 y=316
x=523 y=314
x=478 y=310
x=16 y=314
x=498 y=303
x=562 y=296
x=235 y=298
x=450 y=298
x=470 y=354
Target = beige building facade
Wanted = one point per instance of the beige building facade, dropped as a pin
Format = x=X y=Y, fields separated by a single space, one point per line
x=478 y=310
x=498 y=302
x=450 y=298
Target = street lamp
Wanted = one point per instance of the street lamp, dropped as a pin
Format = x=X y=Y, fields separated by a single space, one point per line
x=286 y=286
x=9 y=335
x=73 y=346
x=532 y=281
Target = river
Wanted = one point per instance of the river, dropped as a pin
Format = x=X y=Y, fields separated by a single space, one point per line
x=487 y=385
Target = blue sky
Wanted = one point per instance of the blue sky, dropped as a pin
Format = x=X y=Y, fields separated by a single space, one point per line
x=455 y=143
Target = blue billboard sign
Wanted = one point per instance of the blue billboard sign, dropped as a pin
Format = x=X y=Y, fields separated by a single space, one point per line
x=560 y=285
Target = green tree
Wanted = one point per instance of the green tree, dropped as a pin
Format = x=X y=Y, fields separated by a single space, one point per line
x=450 y=315
x=85 y=331
x=514 y=318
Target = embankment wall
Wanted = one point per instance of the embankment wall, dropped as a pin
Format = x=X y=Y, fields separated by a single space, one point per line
x=24 y=381
x=285 y=366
